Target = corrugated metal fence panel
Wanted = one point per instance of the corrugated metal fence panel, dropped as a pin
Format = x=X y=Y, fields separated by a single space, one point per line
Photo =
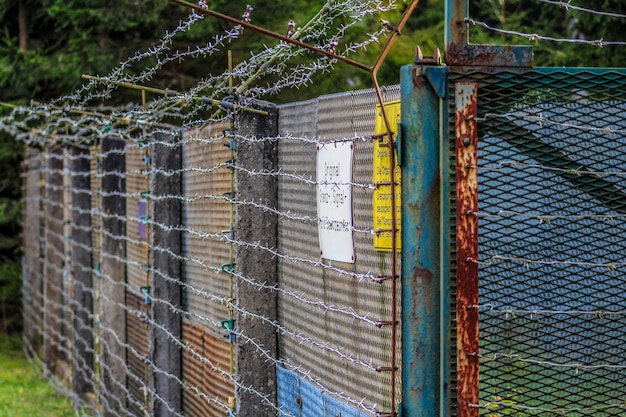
x=96 y=254
x=136 y=248
x=333 y=117
x=32 y=268
x=96 y=198
x=299 y=398
x=137 y=332
x=194 y=402
x=206 y=215
x=136 y=354
x=207 y=389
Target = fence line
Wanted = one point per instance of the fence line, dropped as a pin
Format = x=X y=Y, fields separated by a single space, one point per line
x=103 y=276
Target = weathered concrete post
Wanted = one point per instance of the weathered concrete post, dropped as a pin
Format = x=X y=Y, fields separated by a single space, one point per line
x=33 y=251
x=82 y=269
x=254 y=225
x=166 y=276
x=53 y=253
x=113 y=275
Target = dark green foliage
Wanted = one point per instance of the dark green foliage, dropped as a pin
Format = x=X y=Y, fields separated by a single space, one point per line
x=44 y=51
x=10 y=216
x=557 y=21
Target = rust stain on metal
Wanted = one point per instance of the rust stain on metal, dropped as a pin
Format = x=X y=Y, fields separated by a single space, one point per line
x=466 y=137
x=511 y=56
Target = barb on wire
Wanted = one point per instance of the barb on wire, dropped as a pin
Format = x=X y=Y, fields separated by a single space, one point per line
x=567 y=5
x=533 y=37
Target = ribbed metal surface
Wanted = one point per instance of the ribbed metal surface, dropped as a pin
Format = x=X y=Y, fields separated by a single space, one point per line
x=136 y=275
x=207 y=388
x=206 y=215
x=96 y=198
x=136 y=355
x=552 y=207
x=136 y=248
x=331 y=118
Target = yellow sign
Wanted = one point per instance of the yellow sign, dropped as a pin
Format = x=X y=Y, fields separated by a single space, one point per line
x=382 y=180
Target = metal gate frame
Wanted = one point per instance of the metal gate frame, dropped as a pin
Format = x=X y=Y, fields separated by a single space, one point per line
x=440 y=263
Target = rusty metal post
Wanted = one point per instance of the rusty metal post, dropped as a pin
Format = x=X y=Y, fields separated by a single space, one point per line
x=466 y=140
x=459 y=51
x=456 y=32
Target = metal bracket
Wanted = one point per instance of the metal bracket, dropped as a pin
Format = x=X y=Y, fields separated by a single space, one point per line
x=432 y=69
x=230 y=326
x=145 y=290
x=228 y=267
x=420 y=59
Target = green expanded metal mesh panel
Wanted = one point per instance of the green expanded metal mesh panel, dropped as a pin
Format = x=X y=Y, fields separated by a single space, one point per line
x=552 y=248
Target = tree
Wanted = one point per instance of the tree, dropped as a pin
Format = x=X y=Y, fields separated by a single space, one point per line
x=10 y=216
x=52 y=42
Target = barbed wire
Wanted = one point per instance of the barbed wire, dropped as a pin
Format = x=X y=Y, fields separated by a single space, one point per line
x=59 y=155
x=600 y=42
x=567 y=5
x=363 y=303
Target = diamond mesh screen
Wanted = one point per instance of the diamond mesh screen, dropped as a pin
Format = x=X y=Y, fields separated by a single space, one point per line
x=552 y=253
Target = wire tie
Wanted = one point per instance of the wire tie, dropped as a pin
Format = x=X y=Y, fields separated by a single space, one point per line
x=382 y=278
x=382 y=323
x=231 y=163
x=228 y=268
x=232 y=145
x=145 y=290
x=386 y=368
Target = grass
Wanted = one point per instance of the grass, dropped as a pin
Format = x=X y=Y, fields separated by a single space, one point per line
x=23 y=389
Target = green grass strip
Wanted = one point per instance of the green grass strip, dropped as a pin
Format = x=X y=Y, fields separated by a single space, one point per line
x=24 y=392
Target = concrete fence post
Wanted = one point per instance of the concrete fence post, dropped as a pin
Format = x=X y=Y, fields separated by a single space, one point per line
x=255 y=225
x=82 y=269
x=113 y=275
x=166 y=186
x=33 y=250
x=53 y=258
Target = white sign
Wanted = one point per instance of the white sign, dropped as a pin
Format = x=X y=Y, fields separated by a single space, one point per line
x=334 y=200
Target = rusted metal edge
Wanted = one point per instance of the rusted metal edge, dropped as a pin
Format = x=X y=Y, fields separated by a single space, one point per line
x=263 y=31
x=510 y=56
x=466 y=138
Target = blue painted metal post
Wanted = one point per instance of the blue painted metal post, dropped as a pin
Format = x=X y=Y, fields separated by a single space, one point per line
x=421 y=239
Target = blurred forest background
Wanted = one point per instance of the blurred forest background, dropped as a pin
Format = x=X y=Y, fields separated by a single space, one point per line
x=45 y=46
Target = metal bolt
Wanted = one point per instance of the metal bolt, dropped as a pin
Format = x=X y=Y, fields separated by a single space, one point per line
x=466 y=141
